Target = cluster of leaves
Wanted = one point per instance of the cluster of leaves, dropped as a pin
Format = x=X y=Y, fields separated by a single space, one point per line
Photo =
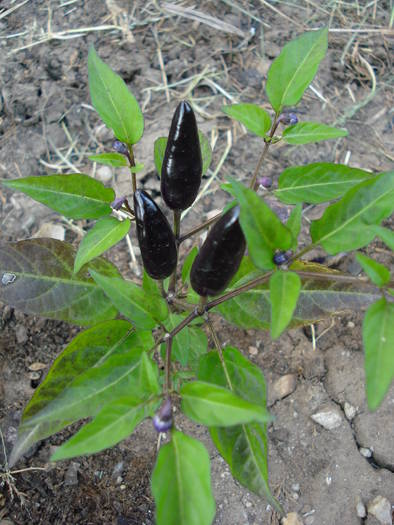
x=109 y=372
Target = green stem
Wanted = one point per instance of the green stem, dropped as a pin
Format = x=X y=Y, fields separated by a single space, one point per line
x=253 y=184
x=168 y=364
x=161 y=288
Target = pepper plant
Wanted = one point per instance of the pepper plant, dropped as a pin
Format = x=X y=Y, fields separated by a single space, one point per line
x=150 y=346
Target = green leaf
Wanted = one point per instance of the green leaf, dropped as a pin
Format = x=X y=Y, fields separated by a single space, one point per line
x=285 y=289
x=160 y=148
x=244 y=447
x=188 y=345
x=294 y=69
x=113 y=101
x=318 y=298
x=181 y=483
x=214 y=405
x=294 y=224
x=307 y=132
x=42 y=282
x=345 y=224
x=378 y=338
x=105 y=233
x=386 y=235
x=114 y=423
x=318 y=182
x=111 y=159
x=263 y=230
x=88 y=351
x=132 y=301
x=76 y=196
x=187 y=264
x=253 y=117
x=377 y=272
x=149 y=376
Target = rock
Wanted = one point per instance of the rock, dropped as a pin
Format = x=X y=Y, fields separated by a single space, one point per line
x=360 y=509
x=21 y=334
x=295 y=487
x=118 y=469
x=292 y=519
x=350 y=410
x=253 y=350
x=380 y=507
x=284 y=386
x=366 y=452
x=328 y=418
x=71 y=476
x=104 y=174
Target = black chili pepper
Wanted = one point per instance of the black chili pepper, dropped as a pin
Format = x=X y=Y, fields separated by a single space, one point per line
x=220 y=256
x=155 y=237
x=182 y=164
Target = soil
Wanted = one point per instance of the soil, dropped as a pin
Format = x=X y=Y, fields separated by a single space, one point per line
x=47 y=125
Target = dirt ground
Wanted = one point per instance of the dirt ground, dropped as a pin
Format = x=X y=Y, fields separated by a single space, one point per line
x=47 y=125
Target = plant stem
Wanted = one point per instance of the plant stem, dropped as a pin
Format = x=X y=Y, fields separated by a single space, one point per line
x=197 y=229
x=161 y=288
x=332 y=277
x=177 y=229
x=220 y=352
x=253 y=185
x=131 y=159
x=168 y=364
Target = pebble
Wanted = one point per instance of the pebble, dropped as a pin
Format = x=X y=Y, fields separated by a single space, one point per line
x=253 y=350
x=118 y=469
x=360 y=509
x=104 y=174
x=292 y=519
x=21 y=334
x=284 y=386
x=380 y=507
x=295 y=487
x=366 y=452
x=328 y=419
x=71 y=476
x=350 y=410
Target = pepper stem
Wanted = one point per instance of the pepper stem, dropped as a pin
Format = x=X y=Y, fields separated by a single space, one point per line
x=253 y=184
x=177 y=231
x=131 y=160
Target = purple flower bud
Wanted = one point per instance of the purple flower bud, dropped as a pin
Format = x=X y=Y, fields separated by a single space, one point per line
x=162 y=421
x=118 y=203
x=120 y=147
x=288 y=119
x=281 y=258
x=265 y=181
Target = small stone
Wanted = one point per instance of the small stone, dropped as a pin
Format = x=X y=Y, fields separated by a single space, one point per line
x=295 y=487
x=37 y=366
x=119 y=480
x=292 y=519
x=122 y=487
x=284 y=386
x=366 y=452
x=295 y=496
x=350 y=410
x=71 y=476
x=118 y=469
x=360 y=509
x=21 y=334
x=253 y=350
x=351 y=324
x=104 y=174
x=328 y=418
x=380 y=507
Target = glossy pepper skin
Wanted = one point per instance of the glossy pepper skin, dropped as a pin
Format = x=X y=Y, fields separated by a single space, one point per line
x=155 y=237
x=220 y=256
x=182 y=164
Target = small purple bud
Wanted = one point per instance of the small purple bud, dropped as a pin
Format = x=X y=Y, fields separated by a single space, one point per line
x=160 y=425
x=281 y=258
x=118 y=203
x=288 y=119
x=265 y=181
x=120 y=147
x=162 y=421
